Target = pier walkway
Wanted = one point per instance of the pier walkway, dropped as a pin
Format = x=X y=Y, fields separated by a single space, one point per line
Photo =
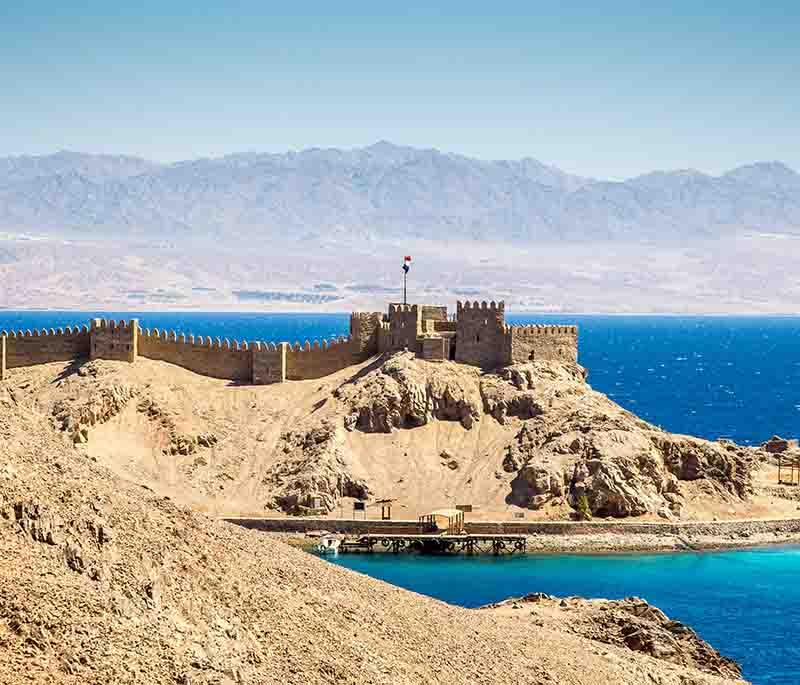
x=435 y=542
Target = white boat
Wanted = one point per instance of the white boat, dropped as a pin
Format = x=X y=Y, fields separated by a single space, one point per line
x=328 y=544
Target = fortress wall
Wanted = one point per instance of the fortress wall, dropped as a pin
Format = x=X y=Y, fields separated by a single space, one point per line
x=115 y=340
x=384 y=337
x=551 y=343
x=216 y=358
x=434 y=313
x=405 y=326
x=27 y=348
x=320 y=359
x=481 y=334
x=445 y=326
x=364 y=332
x=268 y=362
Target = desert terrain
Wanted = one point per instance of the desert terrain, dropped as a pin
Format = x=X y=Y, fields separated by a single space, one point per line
x=106 y=576
x=527 y=443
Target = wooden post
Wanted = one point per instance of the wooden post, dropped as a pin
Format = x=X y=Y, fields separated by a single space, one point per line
x=2 y=357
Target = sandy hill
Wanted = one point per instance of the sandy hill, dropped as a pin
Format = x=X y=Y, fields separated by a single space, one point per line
x=534 y=438
x=105 y=580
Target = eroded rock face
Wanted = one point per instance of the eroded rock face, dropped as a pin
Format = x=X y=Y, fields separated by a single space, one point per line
x=314 y=468
x=177 y=442
x=517 y=391
x=580 y=444
x=84 y=540
x=77 y=417
x=403 y=393
x=631 y=623
x=570 y=442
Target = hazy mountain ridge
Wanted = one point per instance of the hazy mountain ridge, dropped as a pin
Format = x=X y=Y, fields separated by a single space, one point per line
x=381 y=191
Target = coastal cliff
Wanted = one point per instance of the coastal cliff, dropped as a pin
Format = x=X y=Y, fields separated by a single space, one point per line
x=560 y=442
x=104 y=578
x=532 y=440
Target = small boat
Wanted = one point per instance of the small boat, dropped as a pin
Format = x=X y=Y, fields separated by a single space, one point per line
x=328 y=544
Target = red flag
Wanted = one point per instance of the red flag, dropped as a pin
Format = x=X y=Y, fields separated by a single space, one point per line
x=407 y=259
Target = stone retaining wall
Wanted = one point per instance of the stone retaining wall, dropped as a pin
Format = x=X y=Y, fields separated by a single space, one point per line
x=726 y=528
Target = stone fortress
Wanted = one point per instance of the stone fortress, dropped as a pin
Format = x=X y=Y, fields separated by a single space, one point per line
x=476 y=335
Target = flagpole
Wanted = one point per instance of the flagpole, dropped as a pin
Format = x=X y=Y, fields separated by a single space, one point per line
x=406 y=262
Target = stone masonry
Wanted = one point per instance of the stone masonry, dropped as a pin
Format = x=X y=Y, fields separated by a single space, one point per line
x=476 y=335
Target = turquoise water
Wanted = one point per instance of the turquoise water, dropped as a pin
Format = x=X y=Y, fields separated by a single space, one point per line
x=745 y=603
x=736 y=377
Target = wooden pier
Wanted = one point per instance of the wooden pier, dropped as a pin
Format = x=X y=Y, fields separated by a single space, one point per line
x=434 y=543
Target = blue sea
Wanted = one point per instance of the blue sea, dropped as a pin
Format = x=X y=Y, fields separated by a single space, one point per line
x=745 y=603
x=734 y=377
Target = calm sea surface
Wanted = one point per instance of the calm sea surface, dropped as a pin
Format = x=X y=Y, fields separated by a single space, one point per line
x=708 y=376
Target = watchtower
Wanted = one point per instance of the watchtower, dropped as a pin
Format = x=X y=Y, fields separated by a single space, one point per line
x=480 y=334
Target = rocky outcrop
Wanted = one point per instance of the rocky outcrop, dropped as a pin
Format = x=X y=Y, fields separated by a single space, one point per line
x=77 y=416
x=631 y=623
x=533 y=435
x=403 y=393
x=314 y=473
x=570 y=444
x=83 y=539
x=177 y=442
x=578 y=444
x=521 y=391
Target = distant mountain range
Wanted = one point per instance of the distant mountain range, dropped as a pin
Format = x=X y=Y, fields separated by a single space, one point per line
x=384 y=191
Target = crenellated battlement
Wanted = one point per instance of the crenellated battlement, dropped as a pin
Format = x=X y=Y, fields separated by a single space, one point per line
x=541 y=342
x=45 y=332
x=40 y=346
x=111 y=324
x=402 y=308
x=481 y=306
x=320 y=345
x=116 y=340
x=155 y=337
x=540 y=329
x=477 y=335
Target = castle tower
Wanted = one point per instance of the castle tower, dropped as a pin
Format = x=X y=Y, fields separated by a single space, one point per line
x=364 y=331
x=114 y=340
x=405 y=327
x=480 y=334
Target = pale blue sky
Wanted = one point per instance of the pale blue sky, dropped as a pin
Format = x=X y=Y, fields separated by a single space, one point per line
x=605 y=89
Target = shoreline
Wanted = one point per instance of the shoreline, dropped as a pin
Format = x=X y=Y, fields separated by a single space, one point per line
x=656 y=544
x=606 y=538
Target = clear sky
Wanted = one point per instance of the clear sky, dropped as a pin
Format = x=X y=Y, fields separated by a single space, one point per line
x=608 y=89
